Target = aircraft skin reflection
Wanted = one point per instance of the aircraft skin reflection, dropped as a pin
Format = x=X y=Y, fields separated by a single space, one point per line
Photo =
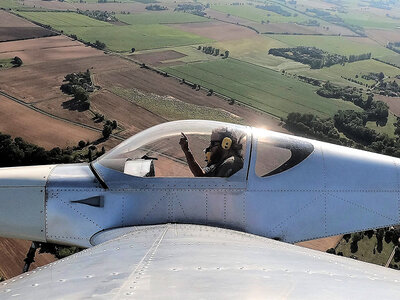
x=322 y=190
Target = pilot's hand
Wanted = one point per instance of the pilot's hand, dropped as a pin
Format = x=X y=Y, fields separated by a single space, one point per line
x=184 y=142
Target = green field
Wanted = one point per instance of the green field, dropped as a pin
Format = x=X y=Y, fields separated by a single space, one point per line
x=259 y=87
x=365 y=250
x=334 y=44
x=351 y=70
x=116 y=38
x=5 y=64
x=255 y=50
x=251 y=13
x=7 y=4
x=160 y=18
x=60 y=20
x=368 y=20
x=388 y=129
x=392 y=58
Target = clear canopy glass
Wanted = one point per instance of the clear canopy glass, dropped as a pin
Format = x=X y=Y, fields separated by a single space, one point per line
x=158 y=148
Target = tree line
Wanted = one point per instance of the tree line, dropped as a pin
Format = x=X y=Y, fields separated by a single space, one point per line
x=314 y=57
x=275 y=8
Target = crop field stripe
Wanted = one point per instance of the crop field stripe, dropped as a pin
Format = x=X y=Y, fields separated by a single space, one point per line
x=221 y=76
x=255 y=87
x=250 y=98
x=230 y=91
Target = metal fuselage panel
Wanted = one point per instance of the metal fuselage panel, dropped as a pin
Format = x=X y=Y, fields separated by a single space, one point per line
x=74 y=223
x=334 y=190
x=22 y=202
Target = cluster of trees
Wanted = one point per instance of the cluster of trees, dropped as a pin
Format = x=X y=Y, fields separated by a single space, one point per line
x=18 y=152
x=276 y=9
x=389 y=235
x=310 y=80
x=314 y=57
x=99 y=45
x=364 y=56
x=156 y=7
x=108 y=127
x=310 y=22
x=213 y=51
x=388 y=88
x=101 y=1
x=79 y=85
x=16 y=61
x=351 y=123
x=196 y=9
x=374 y=76
x=312 y=127
x=373 y=110
x=98 y=15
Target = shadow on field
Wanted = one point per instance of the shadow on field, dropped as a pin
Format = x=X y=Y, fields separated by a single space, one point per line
x=74 y=104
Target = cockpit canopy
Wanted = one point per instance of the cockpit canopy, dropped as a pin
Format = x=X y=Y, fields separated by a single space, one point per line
x=156 y=152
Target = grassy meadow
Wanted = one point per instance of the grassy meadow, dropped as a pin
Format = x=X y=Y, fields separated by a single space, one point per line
x=160 y=18
x=259 y=87
x=252 y=13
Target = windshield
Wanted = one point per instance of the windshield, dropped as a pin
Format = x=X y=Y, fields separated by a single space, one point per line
x=156 y=152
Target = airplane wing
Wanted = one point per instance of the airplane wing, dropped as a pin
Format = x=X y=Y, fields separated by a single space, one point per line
x=192 y=261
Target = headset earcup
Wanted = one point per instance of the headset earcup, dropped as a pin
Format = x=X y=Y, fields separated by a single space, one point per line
x=208 y=156
x=226 y=143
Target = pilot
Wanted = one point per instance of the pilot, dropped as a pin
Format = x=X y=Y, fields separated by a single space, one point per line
x=223 y=155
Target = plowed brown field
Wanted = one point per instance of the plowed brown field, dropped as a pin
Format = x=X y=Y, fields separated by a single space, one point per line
x=15 y=28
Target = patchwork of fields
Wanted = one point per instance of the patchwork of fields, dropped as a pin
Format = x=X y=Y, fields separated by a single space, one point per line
x=117 y=38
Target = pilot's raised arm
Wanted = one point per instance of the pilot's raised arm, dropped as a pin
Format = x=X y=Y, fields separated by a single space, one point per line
x=223 y=155
x=193 y=165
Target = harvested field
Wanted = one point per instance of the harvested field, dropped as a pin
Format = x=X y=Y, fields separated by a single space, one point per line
x=39 y=129
x=383 y=36
x=13 y=253
x=322 y=244
x=218 y=31
x=393 y=102
x=150 y=82
x=127 y=113
x=46 y=62
x=14 y=28
x=156 y=58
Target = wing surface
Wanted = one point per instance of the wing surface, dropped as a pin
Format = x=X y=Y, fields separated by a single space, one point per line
x=192 y=262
